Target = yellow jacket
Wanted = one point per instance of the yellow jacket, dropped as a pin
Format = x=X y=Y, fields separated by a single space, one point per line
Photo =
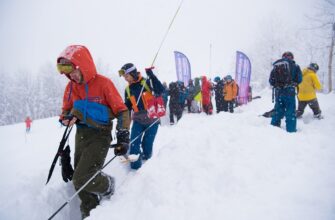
x=310 y=83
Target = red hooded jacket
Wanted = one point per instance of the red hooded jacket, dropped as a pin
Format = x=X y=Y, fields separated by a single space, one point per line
x=100 y=88
x=206 y=87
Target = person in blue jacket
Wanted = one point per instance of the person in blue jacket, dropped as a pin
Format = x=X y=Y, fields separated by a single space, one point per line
x=144 y=129
x=285 y=77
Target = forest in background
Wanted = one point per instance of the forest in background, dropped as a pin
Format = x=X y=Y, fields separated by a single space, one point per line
x=39 y=95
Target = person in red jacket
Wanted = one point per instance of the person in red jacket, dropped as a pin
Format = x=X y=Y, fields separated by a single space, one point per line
x=91 y=101
x=28 y=122
x=206 y=87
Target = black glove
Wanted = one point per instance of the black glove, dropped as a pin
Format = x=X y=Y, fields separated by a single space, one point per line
x=149 y=72
x=121 y=149
x=122 y=145
x=67 y=170
x=66 y=117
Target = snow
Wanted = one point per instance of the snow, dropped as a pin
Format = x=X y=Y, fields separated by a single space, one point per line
x=225 y=166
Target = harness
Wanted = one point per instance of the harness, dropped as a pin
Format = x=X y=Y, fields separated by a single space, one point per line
x=146 y=96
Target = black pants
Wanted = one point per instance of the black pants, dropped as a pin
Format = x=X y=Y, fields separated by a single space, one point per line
x=175 y=110
x=189 y=103
x=313 y=104
x=219 y=104
x=228 y=105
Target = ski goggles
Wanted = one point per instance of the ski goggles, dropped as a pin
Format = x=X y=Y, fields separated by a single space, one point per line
x=123 y=72
x=66 y=68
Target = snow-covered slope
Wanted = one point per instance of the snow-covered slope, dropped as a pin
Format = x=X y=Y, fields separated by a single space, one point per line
x=224 y=166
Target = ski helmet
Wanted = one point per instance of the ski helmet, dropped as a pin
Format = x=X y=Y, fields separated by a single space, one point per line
x=228 y=78
x=314 y=67
x=217 y=79
x=130 y=69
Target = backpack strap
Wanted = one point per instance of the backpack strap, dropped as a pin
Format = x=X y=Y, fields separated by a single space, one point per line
x=143 y=83
x=132 y=98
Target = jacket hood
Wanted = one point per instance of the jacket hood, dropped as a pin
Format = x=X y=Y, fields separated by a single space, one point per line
x=80 y=56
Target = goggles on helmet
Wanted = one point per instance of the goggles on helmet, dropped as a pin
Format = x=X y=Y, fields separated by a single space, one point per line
x=122 y=72
x=66 y=68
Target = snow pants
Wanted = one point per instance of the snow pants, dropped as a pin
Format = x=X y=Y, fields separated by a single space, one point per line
x=208 y=108
x=285 y=106
x=175 y=110
x=313 y=104
x=145 y=140
x=228 y=105
x=219 y=101
x=91 y=149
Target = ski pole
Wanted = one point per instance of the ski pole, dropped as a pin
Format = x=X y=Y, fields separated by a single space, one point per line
x=60 y=149
x=273 y=94
x=98 y=172
x=81 y=188
x=160 y=46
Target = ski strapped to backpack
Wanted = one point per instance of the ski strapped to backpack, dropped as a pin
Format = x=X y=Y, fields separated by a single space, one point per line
x=60 y=150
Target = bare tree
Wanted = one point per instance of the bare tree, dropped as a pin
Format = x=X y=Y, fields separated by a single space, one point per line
x=330 y=63
x=324 y=20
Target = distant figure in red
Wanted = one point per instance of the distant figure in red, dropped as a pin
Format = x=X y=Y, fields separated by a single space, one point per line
x=28 y=124
x=206 y=87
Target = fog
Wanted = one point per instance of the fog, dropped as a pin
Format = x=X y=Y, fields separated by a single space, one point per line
x=116 y=32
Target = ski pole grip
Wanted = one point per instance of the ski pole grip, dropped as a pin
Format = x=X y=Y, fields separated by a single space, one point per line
x=150 y=68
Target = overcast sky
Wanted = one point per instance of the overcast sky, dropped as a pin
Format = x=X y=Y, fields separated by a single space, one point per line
x=34 y=32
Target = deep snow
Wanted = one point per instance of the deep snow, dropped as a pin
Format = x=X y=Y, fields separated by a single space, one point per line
x=225 y=166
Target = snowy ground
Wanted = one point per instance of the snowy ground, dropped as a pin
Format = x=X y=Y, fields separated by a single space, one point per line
x=224 y=166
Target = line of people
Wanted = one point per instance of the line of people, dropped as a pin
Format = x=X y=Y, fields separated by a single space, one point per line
x=91 y=102
x=197 y=96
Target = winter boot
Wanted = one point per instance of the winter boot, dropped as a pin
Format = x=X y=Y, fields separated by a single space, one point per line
x=299 y=114
x=318 y=116
x=110 y=190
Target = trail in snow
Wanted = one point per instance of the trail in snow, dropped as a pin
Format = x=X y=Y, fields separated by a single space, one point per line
x=224 y=166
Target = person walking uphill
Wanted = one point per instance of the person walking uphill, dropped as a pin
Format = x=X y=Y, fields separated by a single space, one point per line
x=91 y=101
x=144 y=129
x=284 y=77
x=307 y=91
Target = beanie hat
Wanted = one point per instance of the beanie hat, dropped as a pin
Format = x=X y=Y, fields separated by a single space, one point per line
x=288 y=55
